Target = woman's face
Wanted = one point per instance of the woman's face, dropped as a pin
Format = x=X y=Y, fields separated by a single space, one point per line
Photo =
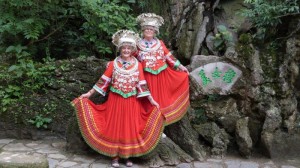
x=149 y=32
x=126 y=51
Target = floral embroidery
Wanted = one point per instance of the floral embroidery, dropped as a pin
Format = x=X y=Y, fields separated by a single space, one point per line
x=125 y=80
x=144 y=88
x=100 y=82
x=151 y=55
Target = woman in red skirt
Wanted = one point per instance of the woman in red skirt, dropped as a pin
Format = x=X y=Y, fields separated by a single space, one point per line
x=166 y=77
x=121 y=127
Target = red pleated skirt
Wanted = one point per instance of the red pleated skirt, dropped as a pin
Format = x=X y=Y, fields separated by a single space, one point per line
x=120 y=126
x=170 y=89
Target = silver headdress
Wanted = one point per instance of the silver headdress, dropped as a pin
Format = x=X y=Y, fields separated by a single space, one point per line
x=125 y=37
x=150 y=19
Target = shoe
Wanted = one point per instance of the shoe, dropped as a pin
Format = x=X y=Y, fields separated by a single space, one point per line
x=115 y=162
x=129 y=163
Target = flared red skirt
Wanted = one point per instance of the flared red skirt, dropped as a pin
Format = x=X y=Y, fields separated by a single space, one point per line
x=170 y=89
x=120 y=126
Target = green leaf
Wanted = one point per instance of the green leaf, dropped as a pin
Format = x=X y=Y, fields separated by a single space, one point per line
x=12 y=68
x=10 y=49
x=222 y=28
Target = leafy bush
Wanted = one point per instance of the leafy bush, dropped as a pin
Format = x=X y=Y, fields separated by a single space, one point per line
x=63 y=28
x=102 y=20
x=24 y=76
x=40 y=121
x=266 y=15
x=223 y=39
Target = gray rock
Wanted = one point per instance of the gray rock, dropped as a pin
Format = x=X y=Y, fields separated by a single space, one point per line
x=16 y=147
x=47 y=151
x=186 y=138
x=83 y=158
x=216 y=77
x=249 y=165
x=167 y=153
x=22 y=160
x=207 y=165
x=184 y=165
x=67 y=164
x=280 y=145
x=233 y=163
x=216 y=136
x=6 y=141
x=224 y=111
x=257 y=72
x=57 y=156
x=189 y=41
x=243 y=137
x=201 y=60
x=273 y=119
x=53 y=162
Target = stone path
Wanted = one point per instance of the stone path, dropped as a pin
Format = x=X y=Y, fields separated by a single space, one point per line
x=51 y=152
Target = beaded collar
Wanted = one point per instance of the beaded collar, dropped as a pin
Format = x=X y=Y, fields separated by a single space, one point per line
x=124 y=71
x=125 y=64
x=143 y=46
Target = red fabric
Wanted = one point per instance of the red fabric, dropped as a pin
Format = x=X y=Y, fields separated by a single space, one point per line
x=170 y=59
x=120 y=126
x=170 y=89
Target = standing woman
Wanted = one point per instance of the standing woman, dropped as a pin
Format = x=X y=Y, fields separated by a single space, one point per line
x=166 y=77
x=121 y=127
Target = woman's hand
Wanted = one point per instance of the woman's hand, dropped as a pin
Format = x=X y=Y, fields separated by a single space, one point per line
x=87 y=94
x=183 y=68
x=153 y=102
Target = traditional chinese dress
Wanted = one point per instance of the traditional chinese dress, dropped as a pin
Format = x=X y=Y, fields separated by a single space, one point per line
x=121 y=126
x=168 y=86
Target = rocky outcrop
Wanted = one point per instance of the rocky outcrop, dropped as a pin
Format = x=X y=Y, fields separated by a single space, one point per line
x=186 y=137
x=215 y=136
x=243 y=137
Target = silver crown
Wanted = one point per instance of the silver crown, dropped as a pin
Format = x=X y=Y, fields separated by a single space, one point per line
x=150 y=19
x=125 y=37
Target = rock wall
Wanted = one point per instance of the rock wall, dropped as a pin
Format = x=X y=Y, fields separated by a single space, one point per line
x=72 y=78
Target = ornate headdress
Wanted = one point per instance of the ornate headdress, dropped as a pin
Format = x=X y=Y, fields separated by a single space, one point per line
x=150 y=19
x=125 y=37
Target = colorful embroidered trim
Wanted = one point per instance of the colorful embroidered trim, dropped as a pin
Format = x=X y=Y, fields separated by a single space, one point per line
x=99 y=90
x=155 y=72
x=178 y=109
x=125 y=95
x=150 y=135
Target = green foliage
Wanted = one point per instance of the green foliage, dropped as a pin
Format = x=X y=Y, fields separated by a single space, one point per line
x=266 y=15
x=25 y=76
x=40 y=121
x=223 y=39
x=63 y=28
x=102 y=20
x=243 y=46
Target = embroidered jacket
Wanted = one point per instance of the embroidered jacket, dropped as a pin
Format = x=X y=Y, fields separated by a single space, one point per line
x=156 y=58
x=126 y=81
